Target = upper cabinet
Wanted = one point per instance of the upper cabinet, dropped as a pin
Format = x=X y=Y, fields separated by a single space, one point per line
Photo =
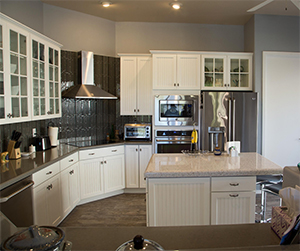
x=136 y=85
x=29 y=74
x=230 y=71
x=176 y=71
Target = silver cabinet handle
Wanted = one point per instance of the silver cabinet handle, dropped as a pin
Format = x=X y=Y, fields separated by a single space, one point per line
x=6 y=198
x=233 y=195
x=234 y=184
x=50 y=172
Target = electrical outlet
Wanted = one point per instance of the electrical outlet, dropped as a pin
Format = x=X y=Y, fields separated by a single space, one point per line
x=33 y=132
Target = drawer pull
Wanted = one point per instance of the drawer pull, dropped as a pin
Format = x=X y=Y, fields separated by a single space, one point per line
x=233 y=195
x=234 y=184
x=91 y=153
x=114 y=150
x=49 y=187
x=104 y=161
x=50 y=172
x=71 y=160
x=71 y=172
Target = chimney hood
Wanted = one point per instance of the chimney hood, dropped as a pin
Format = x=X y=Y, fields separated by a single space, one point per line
x=87 y=89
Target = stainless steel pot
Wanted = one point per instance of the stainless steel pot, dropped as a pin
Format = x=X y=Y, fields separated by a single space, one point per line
x=37 y=238
x=139 y=243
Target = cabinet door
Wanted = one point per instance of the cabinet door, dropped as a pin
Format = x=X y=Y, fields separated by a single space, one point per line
x=213 y=72
x=3 y=97
x=144 y=86
x=145 y=154
x=132 y=166
x=70 y=188
x=164 y=71
x=91 y=178
x=47 y=202
x=178 y=201
x=188 y=71
x=114 y=178
x=240 y=75
x=128 y=86
x=232 y=207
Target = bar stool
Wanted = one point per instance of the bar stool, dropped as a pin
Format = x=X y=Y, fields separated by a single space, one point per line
x=263 y=181
x=272 y=189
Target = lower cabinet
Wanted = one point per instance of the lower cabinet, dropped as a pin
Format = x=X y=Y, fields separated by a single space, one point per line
x=178 y=201
x=70 y=188
x=137 y=158
x=47 y=197
x=101 y=171
x=233 y=200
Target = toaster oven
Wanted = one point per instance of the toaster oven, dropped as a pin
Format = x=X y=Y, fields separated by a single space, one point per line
x=137 y=131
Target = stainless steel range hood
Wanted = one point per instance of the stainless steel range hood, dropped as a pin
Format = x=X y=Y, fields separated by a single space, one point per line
x=87 y=88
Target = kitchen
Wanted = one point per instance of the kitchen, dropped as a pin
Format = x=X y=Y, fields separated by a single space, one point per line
x=54 y=18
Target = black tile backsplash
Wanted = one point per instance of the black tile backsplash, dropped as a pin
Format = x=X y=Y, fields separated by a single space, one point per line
x=81 y=118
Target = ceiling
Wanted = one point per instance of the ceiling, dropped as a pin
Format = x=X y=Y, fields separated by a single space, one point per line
x=229 y=12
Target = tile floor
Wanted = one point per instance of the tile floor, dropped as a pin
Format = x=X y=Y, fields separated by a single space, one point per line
x=127 y=210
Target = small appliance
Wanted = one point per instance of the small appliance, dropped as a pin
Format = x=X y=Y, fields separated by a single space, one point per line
x=53 y=135
x=137 y=131
x=42 y=143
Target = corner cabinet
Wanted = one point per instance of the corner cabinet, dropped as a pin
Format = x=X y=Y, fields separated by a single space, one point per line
x=136 y=161
x=26 y=75
x=176 y=71
x=226 y=71
x=101 y=172
x=136 y=85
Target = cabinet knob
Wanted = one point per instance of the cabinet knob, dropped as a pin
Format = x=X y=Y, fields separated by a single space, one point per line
x=104 y=161
x=71 y=160
x=140 y=149
x=138 y=110
x=49 y=173
x=177 y=84
x=101 y=162
x=134 y=110
x=174 y=84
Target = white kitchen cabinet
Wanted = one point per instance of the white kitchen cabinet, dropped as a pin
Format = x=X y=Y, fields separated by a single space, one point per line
x=176 y=71
x=101 y=171
x=233 y=200
x=46 y=97
x=178 y=201
x=70 y=187
x=114 y=177
x=226 y=71
x=137 y=158
x=47 y=196
x=136 y=85
x=25 y=87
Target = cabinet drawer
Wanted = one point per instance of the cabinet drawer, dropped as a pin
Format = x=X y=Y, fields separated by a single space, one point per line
x=68 y=161
x=101 y=152
x=45 y=174
x=233 y=183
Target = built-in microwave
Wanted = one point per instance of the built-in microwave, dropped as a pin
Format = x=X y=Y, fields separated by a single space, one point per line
x=176 y=110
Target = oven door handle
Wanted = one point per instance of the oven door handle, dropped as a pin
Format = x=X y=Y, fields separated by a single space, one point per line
x=6 y=198
x=173 y=140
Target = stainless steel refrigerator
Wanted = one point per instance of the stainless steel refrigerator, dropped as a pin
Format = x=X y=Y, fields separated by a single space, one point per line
x=228 y=116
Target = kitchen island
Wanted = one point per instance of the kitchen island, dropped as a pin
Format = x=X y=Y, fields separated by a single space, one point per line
x=204 y=189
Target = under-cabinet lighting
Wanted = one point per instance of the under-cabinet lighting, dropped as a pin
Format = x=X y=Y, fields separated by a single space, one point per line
x=106 y=4
x=176 y=5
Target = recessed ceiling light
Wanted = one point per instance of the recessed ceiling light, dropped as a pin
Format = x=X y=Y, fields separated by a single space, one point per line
x=106 y=4
x=176 y=5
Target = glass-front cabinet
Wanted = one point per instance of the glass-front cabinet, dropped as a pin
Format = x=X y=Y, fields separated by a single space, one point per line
x=45 y=79
x=228 y=71
x=29 y=74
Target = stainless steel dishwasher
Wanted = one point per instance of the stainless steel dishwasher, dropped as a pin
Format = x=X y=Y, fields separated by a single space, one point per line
x=16 y=202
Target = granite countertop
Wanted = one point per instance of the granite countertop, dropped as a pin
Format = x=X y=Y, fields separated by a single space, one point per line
x=207 y=165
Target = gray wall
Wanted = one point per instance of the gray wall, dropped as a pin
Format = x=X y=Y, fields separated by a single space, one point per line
x=270 y=33
x=142 y=37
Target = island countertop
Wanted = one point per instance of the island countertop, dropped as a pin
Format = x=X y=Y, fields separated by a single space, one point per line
x=209 y=165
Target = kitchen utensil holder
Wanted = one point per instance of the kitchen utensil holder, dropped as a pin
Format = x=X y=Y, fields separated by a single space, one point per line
x=13 y=153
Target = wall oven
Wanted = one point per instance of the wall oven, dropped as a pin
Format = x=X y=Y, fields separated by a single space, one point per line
x=172 y=141
x=176 y=110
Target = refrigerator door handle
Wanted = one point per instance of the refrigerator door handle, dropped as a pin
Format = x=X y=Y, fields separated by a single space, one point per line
x=229 y=119
x=233 y=120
